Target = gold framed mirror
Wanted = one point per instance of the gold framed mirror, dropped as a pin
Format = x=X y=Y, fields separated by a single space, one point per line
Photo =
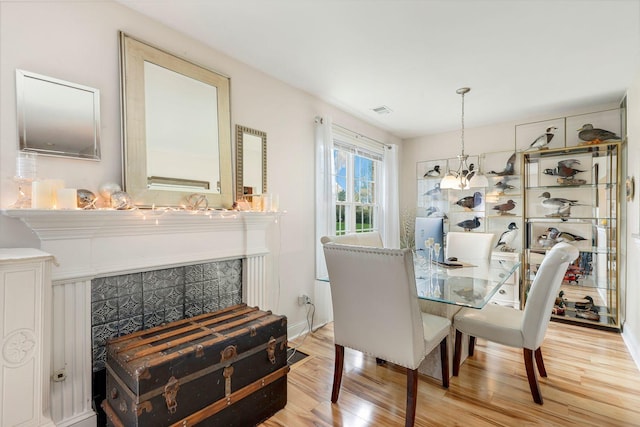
x=177 y=128
x=251 y=162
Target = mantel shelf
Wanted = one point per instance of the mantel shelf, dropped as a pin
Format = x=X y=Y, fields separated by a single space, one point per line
x=71 y=224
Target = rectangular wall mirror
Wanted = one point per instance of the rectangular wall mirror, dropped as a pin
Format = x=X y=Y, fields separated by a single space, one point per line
x=56 y=117
x=177 y=128
x=251 y=159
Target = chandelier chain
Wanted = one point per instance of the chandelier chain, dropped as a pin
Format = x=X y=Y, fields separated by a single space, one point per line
x=462 y=133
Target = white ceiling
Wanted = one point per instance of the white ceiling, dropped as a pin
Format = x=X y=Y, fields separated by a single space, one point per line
x=520 y=58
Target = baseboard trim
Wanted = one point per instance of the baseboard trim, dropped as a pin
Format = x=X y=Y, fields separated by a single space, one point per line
x=629 y=338
x=87 y=419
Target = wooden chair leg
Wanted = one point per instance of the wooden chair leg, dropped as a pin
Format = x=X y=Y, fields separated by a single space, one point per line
x=412 y=397
x=531 y=375
x=457 y=353
x=540 y=363
x=337 y=373
x=472 y=345
x=444 y=361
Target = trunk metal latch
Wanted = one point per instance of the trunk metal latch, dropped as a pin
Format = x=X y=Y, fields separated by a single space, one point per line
x=170 y=393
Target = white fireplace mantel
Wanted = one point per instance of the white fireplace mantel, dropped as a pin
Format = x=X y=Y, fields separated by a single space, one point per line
x=95 y=243
x=92 y=243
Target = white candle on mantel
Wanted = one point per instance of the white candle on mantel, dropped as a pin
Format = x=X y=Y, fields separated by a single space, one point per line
x=266 y=202
x=275 y=202
x=55 y=184
x=256 y=202
x=41 y=197
x=66 y=198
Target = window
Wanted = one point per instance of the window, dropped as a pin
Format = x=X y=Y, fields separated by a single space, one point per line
x=356 y=187
x=356 y=177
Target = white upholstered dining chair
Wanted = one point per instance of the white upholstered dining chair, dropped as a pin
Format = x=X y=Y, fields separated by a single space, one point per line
x=468 y=246
x=515 y=328
x=376 y=311
x=370 y=238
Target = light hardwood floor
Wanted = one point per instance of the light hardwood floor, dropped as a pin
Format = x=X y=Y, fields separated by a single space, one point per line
x=592 y=381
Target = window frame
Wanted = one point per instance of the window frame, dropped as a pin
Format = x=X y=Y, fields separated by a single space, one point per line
x=350 y=206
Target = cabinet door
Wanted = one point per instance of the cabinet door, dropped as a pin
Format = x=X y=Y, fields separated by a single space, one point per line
x=431 y=200
x=24 y=327
x=571 y=196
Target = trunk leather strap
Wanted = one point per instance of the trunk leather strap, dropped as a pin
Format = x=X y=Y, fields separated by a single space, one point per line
x=234 y=397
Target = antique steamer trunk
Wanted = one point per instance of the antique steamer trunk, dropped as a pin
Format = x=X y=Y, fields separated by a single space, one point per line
x=226 y=368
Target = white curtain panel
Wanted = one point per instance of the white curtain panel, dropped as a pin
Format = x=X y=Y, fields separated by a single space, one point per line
x=390 y=227
x=325 y=214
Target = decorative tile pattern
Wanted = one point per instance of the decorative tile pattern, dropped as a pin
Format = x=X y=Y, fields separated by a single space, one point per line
x=194 y=273
x=210 y=306
x=210 y=271
x=103 y=288
x=104 y=311
x=133 y=302
x=130 y=306
x=193 y=309
x=194 y=292
x=100 y=333
x=130 y=325
x=129 y=284
x=163 y=278
x=172 y=314
x=210 y=289
x=153 y=319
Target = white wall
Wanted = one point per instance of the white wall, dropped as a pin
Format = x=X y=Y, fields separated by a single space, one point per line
x=631 y=331
x=77 y=41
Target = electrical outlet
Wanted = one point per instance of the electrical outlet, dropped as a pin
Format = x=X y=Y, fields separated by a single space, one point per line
x=59 y=375
x=304 y=299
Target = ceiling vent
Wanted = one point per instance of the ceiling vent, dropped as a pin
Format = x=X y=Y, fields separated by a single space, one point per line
x=383 y=109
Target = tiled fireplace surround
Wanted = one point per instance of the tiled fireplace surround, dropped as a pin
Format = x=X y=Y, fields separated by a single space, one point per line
x=146 y=267
x=131 y=302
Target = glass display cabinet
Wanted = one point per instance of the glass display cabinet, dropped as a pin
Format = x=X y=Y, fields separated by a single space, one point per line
x=571 y=195
x=462 y=209
x=495 y=209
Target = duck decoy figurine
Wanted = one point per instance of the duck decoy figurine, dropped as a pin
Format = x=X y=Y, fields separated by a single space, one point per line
x=469 y=224
x=504 y=208
x=545 y=242
x=585 y=303
x=560 y=205
x=543 y=140
x=509 y=169
x=503 y=185
x=592 y=135
x=569 y=163
x=507 y=238
x=433 y=172
x=470 y=202
x=435 y=212
x=469 y=173
x=434 y=191
x=563 y=236
x=563 y=171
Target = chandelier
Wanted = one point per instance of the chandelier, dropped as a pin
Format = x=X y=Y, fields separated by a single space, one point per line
x=465 y=177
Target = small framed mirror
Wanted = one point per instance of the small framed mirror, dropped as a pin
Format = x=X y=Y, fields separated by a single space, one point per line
x=56 y=117
x=177 y=128
x=251 y=158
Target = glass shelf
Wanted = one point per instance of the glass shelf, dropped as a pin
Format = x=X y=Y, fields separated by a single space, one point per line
x=600 y=185
x=586 y=218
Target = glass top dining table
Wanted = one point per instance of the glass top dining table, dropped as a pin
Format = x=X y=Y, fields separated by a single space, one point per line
x=472 y=285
